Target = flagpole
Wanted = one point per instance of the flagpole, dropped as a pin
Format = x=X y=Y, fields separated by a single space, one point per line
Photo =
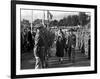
x=48 y=18
x=44 y=18
x=31 y=21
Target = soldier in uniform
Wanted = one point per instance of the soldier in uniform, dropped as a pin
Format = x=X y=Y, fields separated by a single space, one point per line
x=39 y=48
x=71 y=45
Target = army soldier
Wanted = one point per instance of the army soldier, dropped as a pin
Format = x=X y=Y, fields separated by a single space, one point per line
x=71 y=45
x=39 y=48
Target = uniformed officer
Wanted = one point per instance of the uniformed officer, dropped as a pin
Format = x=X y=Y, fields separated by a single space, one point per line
x=71 y=45
x=39 y=48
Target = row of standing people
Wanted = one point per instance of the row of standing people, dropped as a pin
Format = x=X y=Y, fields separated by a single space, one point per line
x=27 y=40
x=83 y=41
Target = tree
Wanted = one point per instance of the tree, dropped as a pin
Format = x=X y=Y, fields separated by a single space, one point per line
x=69 y=20
x=53 y=23
x=37 y=21
x=61 y=22
x=75 y=20
x=65 y=21
x=83 y=18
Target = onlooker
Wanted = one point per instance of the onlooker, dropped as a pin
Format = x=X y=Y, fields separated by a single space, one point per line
x=71 y=46
x=59 y=48
x=29 y=39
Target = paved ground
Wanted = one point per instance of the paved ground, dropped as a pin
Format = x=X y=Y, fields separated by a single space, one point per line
x=28 y=61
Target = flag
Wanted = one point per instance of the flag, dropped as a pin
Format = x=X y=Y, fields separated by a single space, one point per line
x=49 y=15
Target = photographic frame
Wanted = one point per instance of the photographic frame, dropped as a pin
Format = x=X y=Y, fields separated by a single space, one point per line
x=16 y=6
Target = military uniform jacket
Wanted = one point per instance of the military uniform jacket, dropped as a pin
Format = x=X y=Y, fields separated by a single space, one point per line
x=39 y=44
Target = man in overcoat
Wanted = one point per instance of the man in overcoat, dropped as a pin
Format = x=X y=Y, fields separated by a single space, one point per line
x=71 y=45
x=29 y=39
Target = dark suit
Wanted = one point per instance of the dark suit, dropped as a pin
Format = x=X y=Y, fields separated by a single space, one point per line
x=22 y=42
x=71 y=46
x=29 y=39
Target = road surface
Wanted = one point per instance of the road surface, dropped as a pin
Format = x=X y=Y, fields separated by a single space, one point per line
x=28 y=61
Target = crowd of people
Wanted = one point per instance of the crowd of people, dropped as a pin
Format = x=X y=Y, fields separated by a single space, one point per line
x=36 y=42
x=66 y=44
x=27 y=40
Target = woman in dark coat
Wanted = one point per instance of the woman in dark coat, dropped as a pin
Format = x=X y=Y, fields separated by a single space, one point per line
x=89 y=48
x=60 y=48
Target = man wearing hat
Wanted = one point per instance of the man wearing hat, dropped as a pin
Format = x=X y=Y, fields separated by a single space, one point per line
x=71 y=45
x=39 y=48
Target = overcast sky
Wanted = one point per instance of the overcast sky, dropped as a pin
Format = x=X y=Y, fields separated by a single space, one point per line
x=37 y=14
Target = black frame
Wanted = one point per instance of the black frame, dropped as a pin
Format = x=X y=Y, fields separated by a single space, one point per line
x=13 y=38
